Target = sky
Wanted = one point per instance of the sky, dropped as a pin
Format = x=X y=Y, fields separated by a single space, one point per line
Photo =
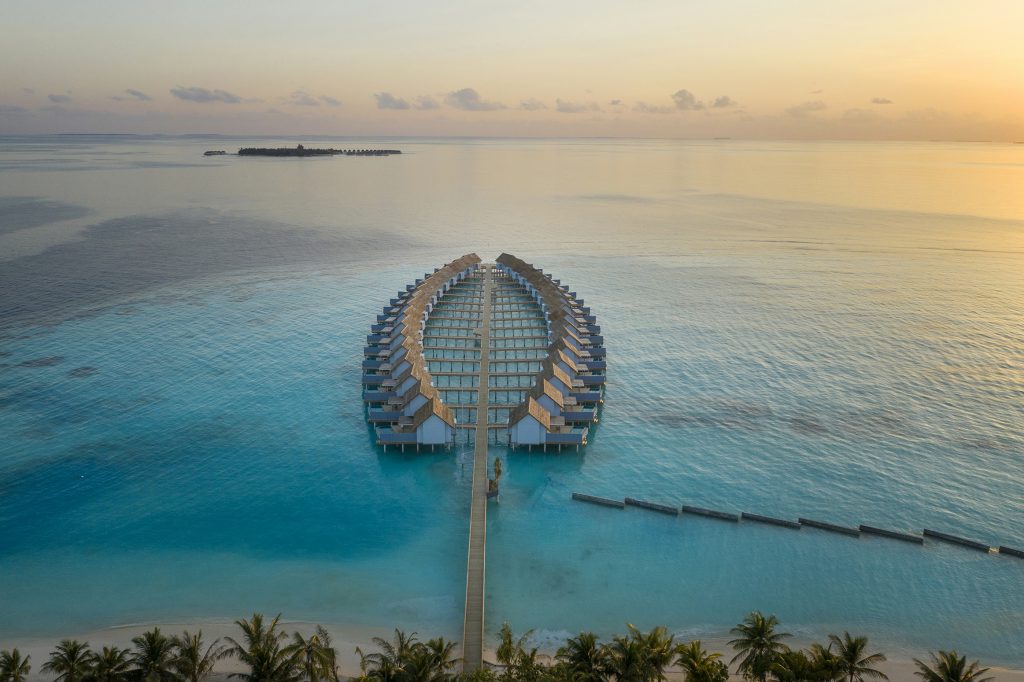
x=832 y=69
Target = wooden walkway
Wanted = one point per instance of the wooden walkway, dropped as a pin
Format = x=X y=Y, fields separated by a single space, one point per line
x=473 y=625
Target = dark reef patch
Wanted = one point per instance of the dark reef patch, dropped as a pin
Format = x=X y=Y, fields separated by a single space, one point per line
x=79 y=372
x=126 y=256
x=21 y=213
x=43 y=362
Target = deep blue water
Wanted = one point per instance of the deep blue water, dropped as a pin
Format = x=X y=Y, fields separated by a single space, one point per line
x=820 y=330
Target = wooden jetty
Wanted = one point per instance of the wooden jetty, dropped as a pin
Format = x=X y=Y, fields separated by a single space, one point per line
x=473 y=623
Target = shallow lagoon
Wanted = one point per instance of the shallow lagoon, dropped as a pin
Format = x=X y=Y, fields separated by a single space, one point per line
x=824 y=330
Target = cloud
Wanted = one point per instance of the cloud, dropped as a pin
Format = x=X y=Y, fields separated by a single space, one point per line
x=686 y=101
x=385 y=100
x=11 y=109
x=566 y=107
x=817 y=92
x=532 y=104
x=881 y=100
x=424 y=102
x=723 y=102
x=202 y=95
x=469 y=99
x=615 y=103
x=59 y=99
x=801 y=110
x=330 y=101
x=645 y=108
x=301 y=98
x=139 y=95
x=28 y=91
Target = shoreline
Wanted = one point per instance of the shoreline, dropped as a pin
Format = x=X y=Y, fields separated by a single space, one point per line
x=346 y=637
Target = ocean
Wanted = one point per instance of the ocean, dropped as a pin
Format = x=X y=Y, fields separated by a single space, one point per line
x=832 y=330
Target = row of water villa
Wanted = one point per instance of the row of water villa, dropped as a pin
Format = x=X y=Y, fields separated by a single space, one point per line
x=544 y=373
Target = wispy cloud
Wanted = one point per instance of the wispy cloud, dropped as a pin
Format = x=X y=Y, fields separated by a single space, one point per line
x=567 y=107
x=301 y=98
x=59 y=99
x=469 y=99
x=723 y=102
x=202 y=95
x=426 y=102
x=645 y=108
x=801 y=110
x=687 y=101
x=881 y=100
x=532 y=104
x=616 y=103
x=385 y=100
x=6 y=109
x=139 y=95
x=330 y=101
x=28 y=91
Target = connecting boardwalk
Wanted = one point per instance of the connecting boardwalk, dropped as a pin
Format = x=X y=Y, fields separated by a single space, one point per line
x=473 y=625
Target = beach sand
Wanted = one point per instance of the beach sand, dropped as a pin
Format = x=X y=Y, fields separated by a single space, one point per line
x=347 y=637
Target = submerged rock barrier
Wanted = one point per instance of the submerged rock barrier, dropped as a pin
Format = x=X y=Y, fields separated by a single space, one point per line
x=956 y=540
x=603 y=501
x=771 y=520
x=711 y=513
x=831 y=527
x=895 y=535
x=800 y=523
x=663 y=508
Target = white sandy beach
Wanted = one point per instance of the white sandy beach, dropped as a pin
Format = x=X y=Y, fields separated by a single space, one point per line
x=347 y=637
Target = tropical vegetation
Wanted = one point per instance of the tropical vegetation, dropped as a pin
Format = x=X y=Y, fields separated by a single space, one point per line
x=265 y=651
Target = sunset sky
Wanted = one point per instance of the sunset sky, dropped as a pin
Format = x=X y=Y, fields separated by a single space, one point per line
x=650 y=68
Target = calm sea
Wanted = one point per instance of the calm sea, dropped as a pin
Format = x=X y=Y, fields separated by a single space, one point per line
x=828 y=330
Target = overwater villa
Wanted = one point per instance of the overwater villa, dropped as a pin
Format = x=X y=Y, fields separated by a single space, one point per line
x=423 y=374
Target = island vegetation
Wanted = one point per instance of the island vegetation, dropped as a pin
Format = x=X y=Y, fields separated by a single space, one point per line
x=301 y=150
x=268 y=654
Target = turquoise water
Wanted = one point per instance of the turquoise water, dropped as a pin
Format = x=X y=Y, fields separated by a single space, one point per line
x=825 y=330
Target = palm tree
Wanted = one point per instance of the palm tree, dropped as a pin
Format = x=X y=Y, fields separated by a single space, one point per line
x=625 y=659
x=154 y=656
x=312 y=655
x=192 y=661
x=948 y=667
x=797 y=666
x=70 y=661
x=14 y=668
x=854 y=663
x=585 y=658
x=825 y=662
x=112 y=664
x=700 y=665
x=441 y=651
x=262 y=652
x=757 y=645
x=520 y=663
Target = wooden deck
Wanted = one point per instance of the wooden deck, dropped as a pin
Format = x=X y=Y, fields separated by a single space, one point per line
x=473 y=625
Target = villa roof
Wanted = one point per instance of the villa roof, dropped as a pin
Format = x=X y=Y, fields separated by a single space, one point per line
x=431 y=408
x=533 y=409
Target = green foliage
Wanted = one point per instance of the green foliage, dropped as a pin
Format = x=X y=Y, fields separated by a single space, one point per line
x=700 y=665
x=757 y=645
x=112 y=664
x=71 y=661
x=854 y=663
x=14 y=667
x=521 y=664
x=947 y=666
x=406 y=659
x=153 y=657
x=193 y=661
x=261 y=651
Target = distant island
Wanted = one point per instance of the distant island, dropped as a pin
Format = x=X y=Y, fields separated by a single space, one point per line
x=304 y=151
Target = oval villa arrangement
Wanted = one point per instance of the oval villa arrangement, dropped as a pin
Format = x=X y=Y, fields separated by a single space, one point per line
x=506 y=326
